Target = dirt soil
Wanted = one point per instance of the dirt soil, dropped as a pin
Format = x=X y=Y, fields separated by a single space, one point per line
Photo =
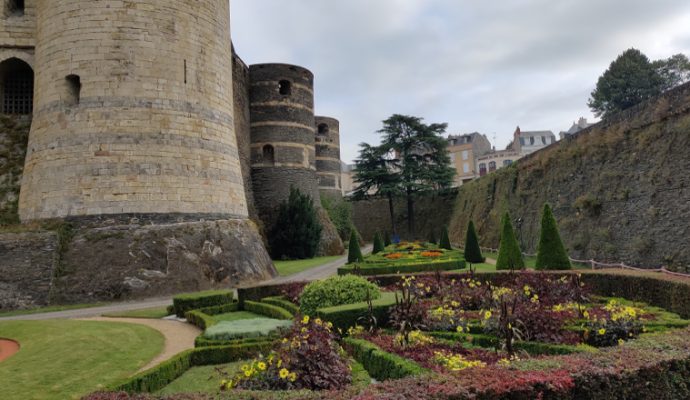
x=7 y=349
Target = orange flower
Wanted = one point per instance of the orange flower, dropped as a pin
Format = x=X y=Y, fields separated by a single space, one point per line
x=431 y=253
x=393 y=256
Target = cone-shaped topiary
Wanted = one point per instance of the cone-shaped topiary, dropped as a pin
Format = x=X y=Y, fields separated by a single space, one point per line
x=509 y=254
x=551 y=253
x=445 y=240
x=354 y=253
x=432 y=237
x=378 y=244
x=473 y=253
x=386 y=238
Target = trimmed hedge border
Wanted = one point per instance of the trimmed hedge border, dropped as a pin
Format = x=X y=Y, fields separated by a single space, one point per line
x=282 y=302
x=203 y=318
x=194 y=301
x=267 y=310
x=381 y=365
x=162 y=375
x=258 y=293
x=201 y=341
x=345 y=316
x=380 y=269
x=533 y=348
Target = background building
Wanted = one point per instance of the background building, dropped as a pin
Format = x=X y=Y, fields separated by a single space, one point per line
x=464 y=150
x=530 y=141
x=576 y=127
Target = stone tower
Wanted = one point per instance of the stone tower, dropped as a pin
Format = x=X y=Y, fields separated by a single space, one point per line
x=283 y=153
x=132 y=144
x=328 y=156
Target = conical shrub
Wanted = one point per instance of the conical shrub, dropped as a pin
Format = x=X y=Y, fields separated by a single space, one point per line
x=387 y=238
x=551 y=252
x=354 y=253
x=445 y=240
x=473 y=253
x=432 y=237
x=509 y=253
x=378 y=244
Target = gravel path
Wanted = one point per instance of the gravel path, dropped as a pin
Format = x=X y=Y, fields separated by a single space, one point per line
x=179 y=336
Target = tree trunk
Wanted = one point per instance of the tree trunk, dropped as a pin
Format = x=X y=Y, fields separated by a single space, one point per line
x=390 y=209
x=410 y=215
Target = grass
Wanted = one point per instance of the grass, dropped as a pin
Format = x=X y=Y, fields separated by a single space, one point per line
x=236 y=316
x=66 y=359
x=200 y=379
x=147 y=313
x=48 y=309
x=286 y=268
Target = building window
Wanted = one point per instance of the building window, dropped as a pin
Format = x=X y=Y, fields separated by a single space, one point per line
x=507 y=162
x=466 y=168
x=465 y=155
x=482 y=169
x=323 y=129
x=16 y=87
x=269 y=155
x=72 y=90
x=492 y=166
x=531 y=140
x=285 y=87
x=15 y=8
x=552 y=139
x=543 y=140
x=522 y=141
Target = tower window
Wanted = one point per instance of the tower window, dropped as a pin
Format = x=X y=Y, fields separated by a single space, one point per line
x=72 y=90
x=269 y=155
x=285 y=87
x=15 y=7
x=323 y=129
x=16 y=87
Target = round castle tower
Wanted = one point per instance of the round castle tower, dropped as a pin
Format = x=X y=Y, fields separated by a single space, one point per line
x=328 y=156
x=133 y=111
x=282 y=135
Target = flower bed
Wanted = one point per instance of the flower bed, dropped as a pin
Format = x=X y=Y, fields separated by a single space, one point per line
x=406 y=258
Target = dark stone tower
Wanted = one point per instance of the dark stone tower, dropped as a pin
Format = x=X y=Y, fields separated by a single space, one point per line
x=328 y=156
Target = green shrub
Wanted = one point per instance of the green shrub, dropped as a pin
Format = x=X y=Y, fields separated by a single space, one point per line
x=281 y=301
x=509 y=253
x=380 y=364
x=354 y=253
x=268 y=310
x=192 y=301
x=345 y=316
x=297 y=230
x=473 y=253
x=378 y=244
x=432 y=236
x=387 y=239
x=551 y=252
x=201 y=341
x=335 y=291
x=409 y=268
x=340 y=213
x=445 y=240
x=245 y=328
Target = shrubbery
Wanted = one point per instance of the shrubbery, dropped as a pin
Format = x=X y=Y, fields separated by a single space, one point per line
x=192 y=301
x=297 y=230
x=445 y=240
x=509 y=253
x=551 y=252
x=245 y=328
x=378 y=244
x=354 y=253
x=335 y=291
x=473 y=252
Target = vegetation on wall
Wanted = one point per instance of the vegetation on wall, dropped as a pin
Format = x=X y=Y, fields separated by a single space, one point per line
x=14 y=136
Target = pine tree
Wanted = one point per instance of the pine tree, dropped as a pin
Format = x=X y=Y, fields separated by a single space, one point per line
x=473 y=253
x=445 y=240
x=297 y=230
x=551 y=252
x=509 y=254
x=387 y=238
x=354 y=253
x=378 y=244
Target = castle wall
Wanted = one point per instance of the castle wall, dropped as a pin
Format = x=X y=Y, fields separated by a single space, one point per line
x=328 y=156
x=149 y=126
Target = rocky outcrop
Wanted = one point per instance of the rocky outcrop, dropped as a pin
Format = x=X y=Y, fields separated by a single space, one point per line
x=87 y=262
x=330 y=243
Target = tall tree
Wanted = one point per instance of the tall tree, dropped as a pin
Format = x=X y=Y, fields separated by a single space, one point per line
x=551 y=252
x=374 y=174
x=297 y=231
x=674 y=70
x=420 y=157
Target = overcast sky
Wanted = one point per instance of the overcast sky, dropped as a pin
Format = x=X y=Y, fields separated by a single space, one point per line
x=485 y=66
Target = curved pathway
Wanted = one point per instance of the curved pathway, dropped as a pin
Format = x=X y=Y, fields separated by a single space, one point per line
x=179 y=336
x=8 y=348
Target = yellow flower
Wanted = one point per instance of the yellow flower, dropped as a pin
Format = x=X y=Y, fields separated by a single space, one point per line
x=280 y=362
x=487 y=314
x=602 y=331
x=620 y=342
x=305 y=319
x=283 y=373
x=285 y=340
x=460 y=329
x=292 y=377
x=262 y=366
x=247 y=373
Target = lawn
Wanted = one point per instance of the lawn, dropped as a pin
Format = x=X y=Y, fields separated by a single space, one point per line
x=236 y=316
x=148 y=313
x=200 y=379
x=48 y=309
x=66 y=359
x=291 y=267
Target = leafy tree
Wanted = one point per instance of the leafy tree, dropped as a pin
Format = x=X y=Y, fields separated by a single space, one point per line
x=551 y=253
x=297 y=231
x=445 y=240
x=632 y=78
x=340 y=213
x=509 y=253
x=473 y=253
x=378 y=244
x=374 y=172
x=354 y=253
x=420 y=157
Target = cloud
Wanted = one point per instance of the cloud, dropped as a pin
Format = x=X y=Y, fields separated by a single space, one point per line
x=483 y=67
